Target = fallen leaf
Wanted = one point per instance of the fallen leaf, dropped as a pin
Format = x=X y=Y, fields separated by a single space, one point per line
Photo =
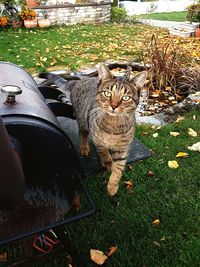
x=129 y=185
x=43 y=59
x=174 y=134
x=3 y=257
x=129 y=167
x=98 y=256
x=111 y=251
x=77 y=202
x=53 y=62
x=155 y=243
x=155 y=135
x=182 y=155
x=150 y=173
x=195 y=147
x=192 y=133
x=173 y=164
x=180 y=118
x=156 y=222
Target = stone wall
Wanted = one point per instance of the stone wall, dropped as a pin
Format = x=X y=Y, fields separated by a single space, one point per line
x=69 y=14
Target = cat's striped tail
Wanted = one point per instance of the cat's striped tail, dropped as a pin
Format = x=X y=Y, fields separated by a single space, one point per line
x=55 y=79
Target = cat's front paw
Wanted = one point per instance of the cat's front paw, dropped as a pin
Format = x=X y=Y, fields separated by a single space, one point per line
x=112 y=189
x=84 y=150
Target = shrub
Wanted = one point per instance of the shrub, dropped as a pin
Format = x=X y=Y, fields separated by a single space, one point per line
x=118 y=14
x=193 y=12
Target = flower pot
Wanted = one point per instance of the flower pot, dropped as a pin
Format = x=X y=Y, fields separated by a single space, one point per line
x=189 y=26
x=44 y=23
x=29 y=24
x=17 y=24
x=180 y=32
x=197 y=32
x=31 y=3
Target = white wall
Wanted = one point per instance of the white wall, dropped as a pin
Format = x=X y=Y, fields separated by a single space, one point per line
x=136 y=8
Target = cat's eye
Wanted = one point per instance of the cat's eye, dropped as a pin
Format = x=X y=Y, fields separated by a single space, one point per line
x=107 y=94
x=126 y=97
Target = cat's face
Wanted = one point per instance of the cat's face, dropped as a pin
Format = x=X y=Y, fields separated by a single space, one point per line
x=119 y=95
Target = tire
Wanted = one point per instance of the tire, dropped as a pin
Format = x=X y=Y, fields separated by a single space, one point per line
x=12 y=10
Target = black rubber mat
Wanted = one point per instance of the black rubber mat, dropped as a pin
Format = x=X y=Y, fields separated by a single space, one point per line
x=92 y=164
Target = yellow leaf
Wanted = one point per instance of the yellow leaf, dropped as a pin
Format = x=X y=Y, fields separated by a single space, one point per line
x=111 y=251
x=53 y=62
x=156 y=222
x=129 y=185
x=44 y=59
x=174 y=134
x=192 y=133
x=182 y=155
x=195 y=147
x=155 y=135
x=180 y=118
x=98 y=256
x=173 y=164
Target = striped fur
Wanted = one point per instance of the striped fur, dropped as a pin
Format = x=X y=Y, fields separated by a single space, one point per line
x=105 y=109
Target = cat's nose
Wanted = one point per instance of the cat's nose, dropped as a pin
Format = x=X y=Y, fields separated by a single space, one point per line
x=114 y=107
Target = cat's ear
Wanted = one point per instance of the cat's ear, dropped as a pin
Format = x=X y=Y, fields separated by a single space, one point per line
x=104 y=73
x=140 y=79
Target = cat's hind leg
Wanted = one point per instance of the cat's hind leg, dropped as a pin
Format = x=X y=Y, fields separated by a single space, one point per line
x=84 y=145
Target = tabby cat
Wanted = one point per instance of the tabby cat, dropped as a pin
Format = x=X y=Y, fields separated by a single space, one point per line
x=105 y=109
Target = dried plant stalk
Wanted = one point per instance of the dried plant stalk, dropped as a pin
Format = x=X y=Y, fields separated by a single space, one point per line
x=168 y=71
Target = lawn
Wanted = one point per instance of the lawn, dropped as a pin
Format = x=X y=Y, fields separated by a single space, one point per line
x=170 y=195
x=78 y=46
x=173 y=16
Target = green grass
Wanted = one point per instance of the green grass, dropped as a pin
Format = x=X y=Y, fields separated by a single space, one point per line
x=125 y=221
x=172 y=196
x=68 y=47
x=173 y=16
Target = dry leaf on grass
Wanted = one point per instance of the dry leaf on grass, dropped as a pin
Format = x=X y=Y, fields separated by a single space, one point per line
x=129 y=167
x=192 y=133
x=174 y=134
x=195 y=147
x=156 y=244
x=150 y=173
x=182 y=155
x=173 y=164
x=155 y=135
x=129 y=185
x=180 y=118
x=156 y=222
x=97 y=256
x=111 y=251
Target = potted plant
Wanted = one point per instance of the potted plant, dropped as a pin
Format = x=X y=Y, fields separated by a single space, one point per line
x=197 y=18
x=29 y=17
x=44 y=22
x=3 y=21
x=193 y=15
x=15 y=21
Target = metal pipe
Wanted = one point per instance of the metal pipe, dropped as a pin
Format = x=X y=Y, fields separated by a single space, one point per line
x=12 y=182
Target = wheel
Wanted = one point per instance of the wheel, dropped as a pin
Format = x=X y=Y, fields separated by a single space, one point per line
x=12 y=10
